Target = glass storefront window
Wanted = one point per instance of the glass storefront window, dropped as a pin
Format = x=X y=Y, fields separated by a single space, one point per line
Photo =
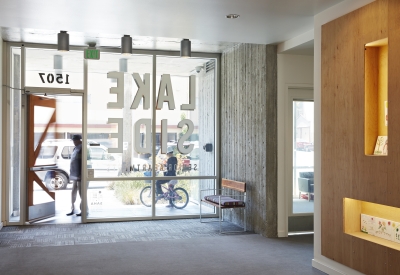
x=186 y=114
x=112 y=120
x=134 y=114
x=125 y=120
x=15 y=165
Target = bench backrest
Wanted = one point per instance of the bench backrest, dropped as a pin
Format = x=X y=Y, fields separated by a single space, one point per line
x=234 y=185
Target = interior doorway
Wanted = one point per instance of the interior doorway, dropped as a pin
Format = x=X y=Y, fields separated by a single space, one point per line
x=51 y=121
x=299 y=161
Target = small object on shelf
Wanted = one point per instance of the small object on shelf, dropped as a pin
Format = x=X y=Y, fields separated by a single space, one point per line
x=367 y=224
x=383 y=229
x=396 y=232
x=381 y=146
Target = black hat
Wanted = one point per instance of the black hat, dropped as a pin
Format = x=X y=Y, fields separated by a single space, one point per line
x=76 y=137
x=170 y=152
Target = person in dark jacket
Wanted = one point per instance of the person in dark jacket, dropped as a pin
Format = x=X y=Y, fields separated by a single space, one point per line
x=76 y=171
x=172 y=163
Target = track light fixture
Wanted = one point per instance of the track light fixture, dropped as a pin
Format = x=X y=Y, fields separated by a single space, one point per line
x=63 y=41
x=126 y=44
x=186 y=50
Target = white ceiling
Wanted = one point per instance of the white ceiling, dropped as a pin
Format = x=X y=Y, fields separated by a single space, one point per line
x=159 y=24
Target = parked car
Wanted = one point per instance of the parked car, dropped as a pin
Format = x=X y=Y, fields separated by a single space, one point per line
x=58 y=152
x=304 y=146
x=309 y=147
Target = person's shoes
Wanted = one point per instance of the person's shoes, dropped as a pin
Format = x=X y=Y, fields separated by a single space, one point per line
x=79 y=214
x=169 y=205
x=69 y=214
x=160 y=196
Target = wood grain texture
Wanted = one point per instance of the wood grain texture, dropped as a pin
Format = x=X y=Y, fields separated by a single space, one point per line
x=352 y=215
x=233 y=184
x=32 y=150
x=346 y=172
x=248 y=131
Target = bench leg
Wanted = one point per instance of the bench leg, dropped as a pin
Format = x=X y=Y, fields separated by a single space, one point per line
x=200 y=210
x=220 y=217
x=244 y=219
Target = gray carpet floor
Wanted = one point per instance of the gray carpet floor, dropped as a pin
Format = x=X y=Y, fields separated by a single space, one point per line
x=150 y=247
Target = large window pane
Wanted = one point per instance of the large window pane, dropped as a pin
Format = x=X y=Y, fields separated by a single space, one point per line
x=117 y=127
x=15 y=144
x=121 y=119
x=188 y=88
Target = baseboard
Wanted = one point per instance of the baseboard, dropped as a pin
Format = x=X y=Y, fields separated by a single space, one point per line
x=324 y=268
x=329 y=269
x=282 y=234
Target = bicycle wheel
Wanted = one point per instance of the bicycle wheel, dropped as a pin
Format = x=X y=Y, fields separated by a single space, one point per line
x=145 y=196
x=180 y=198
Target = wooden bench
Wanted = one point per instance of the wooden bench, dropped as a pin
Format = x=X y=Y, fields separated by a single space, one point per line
x=224 y=199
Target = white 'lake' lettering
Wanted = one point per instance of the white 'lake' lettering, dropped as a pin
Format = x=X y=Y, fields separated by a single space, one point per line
x=165 y=94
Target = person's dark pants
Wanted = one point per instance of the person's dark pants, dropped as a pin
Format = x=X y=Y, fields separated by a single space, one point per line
x=158 y=186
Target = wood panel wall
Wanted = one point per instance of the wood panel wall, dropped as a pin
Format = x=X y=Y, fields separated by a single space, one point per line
x=249 y=131
x=346 y=170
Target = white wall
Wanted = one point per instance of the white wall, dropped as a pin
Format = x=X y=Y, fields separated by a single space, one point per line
x=293 y=71
x=319 y=261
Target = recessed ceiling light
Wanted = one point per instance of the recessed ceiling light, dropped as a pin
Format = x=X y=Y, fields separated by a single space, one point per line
x=232 y=16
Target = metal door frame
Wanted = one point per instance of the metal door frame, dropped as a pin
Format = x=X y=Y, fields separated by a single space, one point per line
x=32 y=93
x=302 y=93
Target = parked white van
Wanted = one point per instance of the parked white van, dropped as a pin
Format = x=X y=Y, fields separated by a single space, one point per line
x=58 y=152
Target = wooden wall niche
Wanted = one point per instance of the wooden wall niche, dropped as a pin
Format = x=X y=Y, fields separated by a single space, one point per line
x=352 y=219
x=376 y=93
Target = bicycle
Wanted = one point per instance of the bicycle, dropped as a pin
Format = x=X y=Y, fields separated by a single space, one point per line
x=178 y=197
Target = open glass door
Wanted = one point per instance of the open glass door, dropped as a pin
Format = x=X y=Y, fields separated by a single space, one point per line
x=41 y=125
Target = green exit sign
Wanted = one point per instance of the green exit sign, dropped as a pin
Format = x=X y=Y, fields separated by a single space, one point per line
x=92 y=54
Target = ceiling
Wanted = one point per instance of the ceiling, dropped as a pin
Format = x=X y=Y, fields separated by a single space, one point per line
x=160 y=24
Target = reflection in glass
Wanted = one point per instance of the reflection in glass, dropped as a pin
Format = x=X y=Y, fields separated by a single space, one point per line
x=303 y=157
